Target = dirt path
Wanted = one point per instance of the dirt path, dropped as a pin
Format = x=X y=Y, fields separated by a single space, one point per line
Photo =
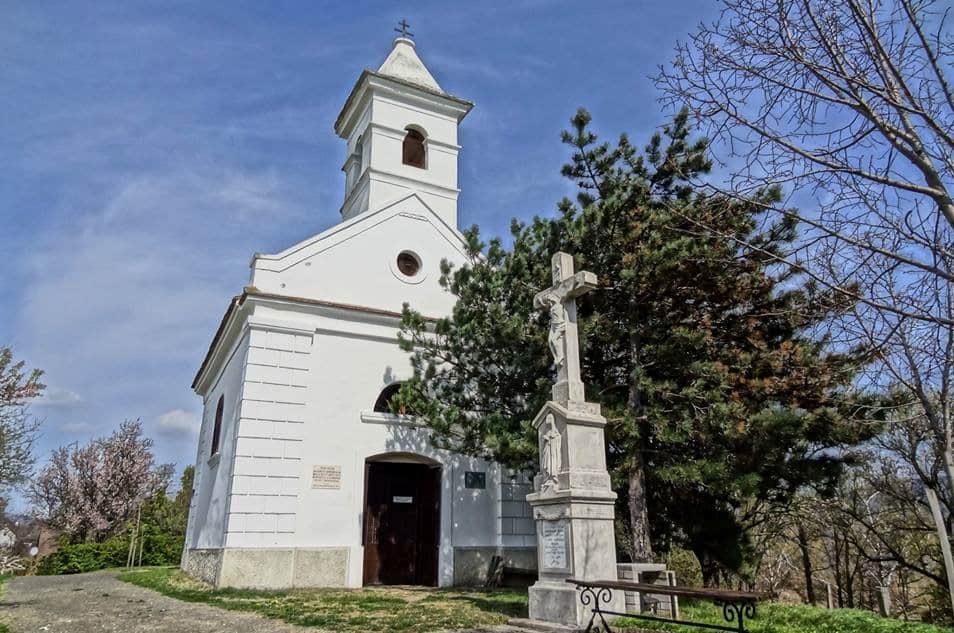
x=84 y=603
x=100 y=603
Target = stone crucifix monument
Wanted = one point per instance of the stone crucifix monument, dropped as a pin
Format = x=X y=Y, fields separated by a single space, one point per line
x=573 y=503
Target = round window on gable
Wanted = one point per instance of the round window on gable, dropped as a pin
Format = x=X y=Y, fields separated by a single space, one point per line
x=408 y=263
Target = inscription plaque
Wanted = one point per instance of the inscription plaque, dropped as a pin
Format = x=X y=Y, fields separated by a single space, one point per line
x=555 y=545
x=326 y=477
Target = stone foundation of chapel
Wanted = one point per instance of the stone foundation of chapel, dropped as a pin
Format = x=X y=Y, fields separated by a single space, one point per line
x=325 y=567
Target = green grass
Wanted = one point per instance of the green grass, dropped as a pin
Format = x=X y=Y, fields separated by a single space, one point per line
x=423 y=610
x=782 y=618
x=410 y=610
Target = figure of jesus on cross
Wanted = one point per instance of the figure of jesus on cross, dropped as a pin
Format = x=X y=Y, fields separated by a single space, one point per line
x=560 y=301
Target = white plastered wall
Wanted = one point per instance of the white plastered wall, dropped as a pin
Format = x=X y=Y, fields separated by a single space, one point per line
x=269 y=438
x=339 y=374
x=213 y=474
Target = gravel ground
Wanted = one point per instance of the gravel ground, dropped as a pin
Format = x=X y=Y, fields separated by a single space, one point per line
x=84 y=603
x=99 y=602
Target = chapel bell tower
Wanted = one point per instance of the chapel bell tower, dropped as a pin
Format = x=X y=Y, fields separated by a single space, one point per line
x=401 y=133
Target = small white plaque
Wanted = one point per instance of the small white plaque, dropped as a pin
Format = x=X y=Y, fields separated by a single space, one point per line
x=403 y=499
x=326 y=477
x=554 y=545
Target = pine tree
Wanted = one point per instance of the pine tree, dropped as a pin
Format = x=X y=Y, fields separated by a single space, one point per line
x=698 y=346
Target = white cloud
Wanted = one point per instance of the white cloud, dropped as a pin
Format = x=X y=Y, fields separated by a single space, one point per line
x=141 y=283
x=59 y=398
x=178 y=423
x=120 y=300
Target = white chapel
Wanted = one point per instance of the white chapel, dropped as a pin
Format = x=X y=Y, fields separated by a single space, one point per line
x=303 y=476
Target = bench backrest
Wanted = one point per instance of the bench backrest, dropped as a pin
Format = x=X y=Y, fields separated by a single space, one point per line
x=705 y=593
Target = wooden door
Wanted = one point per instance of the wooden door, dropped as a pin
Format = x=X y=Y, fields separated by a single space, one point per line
x=402 y=514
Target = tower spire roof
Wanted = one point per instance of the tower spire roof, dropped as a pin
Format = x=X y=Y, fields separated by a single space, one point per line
x=403 y=63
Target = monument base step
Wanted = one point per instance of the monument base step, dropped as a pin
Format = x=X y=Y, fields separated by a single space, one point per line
x=527 y=624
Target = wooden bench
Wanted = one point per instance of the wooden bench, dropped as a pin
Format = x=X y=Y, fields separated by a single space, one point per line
x=498 y=574
x=737 y=606
x=518 y=576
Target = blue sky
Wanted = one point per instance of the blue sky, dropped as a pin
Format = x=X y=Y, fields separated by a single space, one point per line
x=148 y=149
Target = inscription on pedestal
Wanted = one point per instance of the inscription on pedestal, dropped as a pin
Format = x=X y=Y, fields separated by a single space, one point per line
x=556 y=542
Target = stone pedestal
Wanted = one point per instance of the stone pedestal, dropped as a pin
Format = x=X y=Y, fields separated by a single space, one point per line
x=650 y=574
x=884 y=601
x=574 y=510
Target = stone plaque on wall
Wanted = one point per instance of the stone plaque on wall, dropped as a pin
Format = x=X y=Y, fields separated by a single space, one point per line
x=326 y=477
x=555 y=545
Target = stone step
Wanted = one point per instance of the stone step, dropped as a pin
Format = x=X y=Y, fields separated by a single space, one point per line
x=536 y=626
x=509 y=628
x=524 y=625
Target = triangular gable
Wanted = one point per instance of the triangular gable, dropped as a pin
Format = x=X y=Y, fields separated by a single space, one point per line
x=349 y=229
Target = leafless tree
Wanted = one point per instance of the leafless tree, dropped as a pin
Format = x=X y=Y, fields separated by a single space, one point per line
x=877 y=533
x=851 y=97
x=900 y=499
x=848 y=105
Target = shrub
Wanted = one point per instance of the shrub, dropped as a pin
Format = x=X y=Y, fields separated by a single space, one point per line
x=76 y=558
x=686 y=565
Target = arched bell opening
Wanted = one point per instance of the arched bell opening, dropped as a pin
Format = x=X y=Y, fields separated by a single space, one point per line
x=414 y=147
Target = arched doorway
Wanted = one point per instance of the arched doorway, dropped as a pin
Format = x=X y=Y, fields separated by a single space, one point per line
x=401 y=520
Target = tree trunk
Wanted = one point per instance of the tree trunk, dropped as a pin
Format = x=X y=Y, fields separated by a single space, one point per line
x=948 y=450
x=839 y=583
x=942 y=536
x=638 y=500
x=803 y=545
x=638 y=511
x=710 y=569
x=849 y=577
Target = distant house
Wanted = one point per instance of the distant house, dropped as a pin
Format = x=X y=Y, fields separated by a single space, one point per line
x=28 y=532
x=7 y=538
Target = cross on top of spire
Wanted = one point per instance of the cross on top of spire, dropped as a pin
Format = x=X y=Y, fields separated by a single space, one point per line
x=402 y=28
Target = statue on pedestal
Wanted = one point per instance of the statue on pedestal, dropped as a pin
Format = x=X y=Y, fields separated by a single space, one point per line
x=559 y=301
x=557 y=337
x=551 y=455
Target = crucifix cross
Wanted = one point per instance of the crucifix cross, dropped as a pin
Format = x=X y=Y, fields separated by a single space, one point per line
x=402 y=28
x=560 y=301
